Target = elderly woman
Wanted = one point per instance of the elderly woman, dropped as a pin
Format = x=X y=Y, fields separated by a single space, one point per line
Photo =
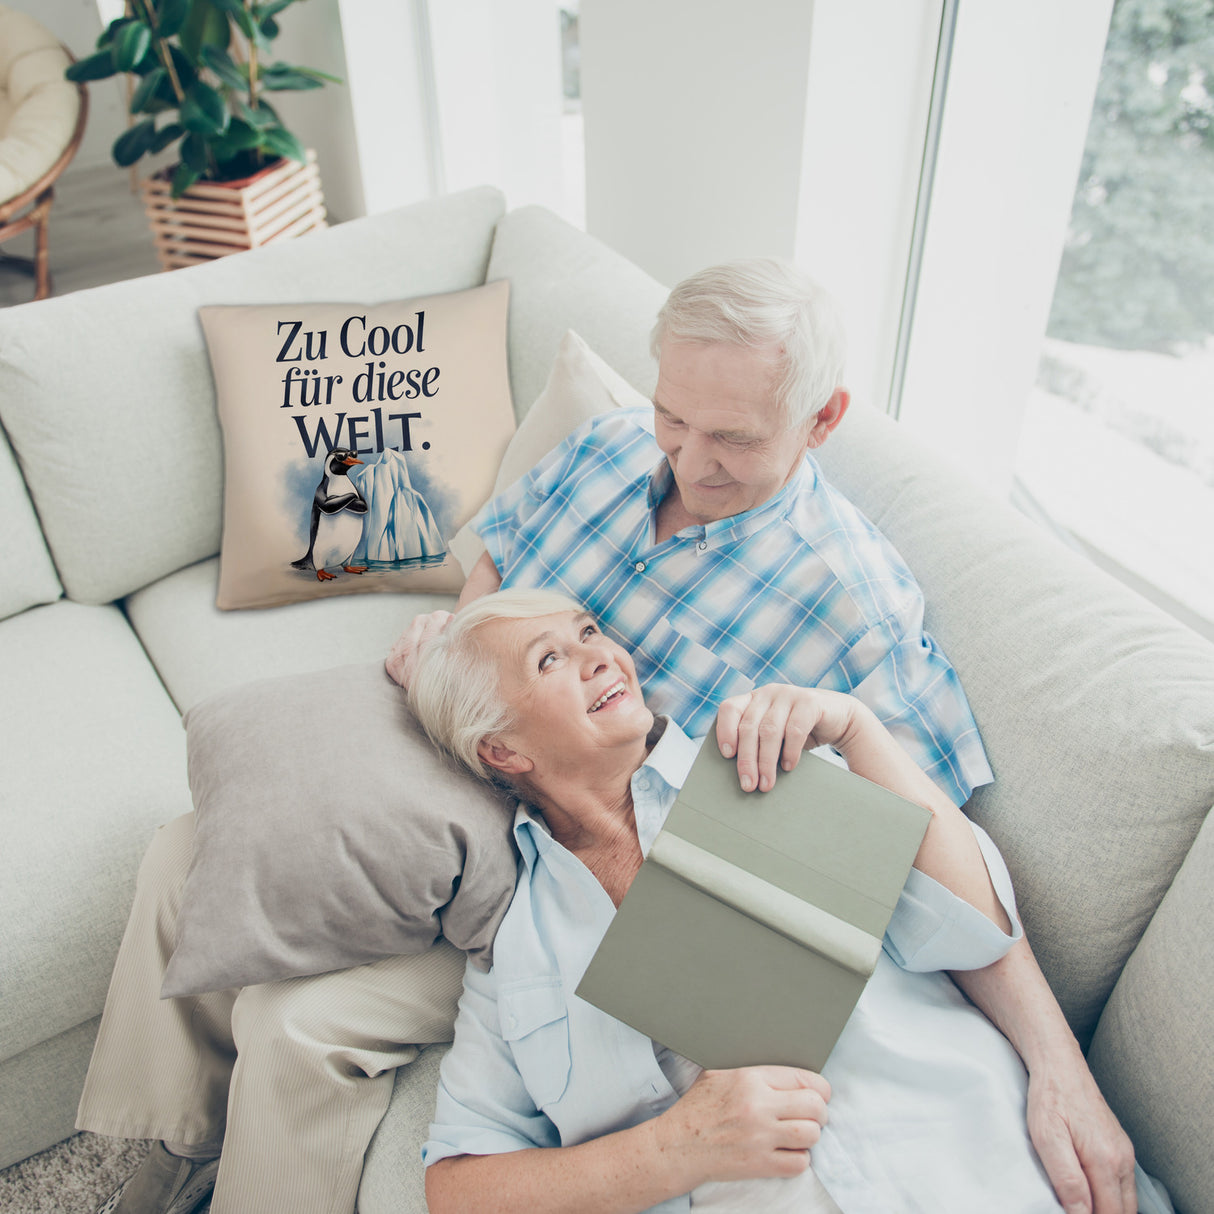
x=547 y=1103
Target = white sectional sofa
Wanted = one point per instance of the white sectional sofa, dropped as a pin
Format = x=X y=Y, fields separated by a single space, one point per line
x=1097 y=711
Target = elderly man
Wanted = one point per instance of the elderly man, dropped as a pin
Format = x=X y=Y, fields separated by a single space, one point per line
x=704 y=538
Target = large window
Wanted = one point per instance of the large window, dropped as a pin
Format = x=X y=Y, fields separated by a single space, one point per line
x=1117 y=444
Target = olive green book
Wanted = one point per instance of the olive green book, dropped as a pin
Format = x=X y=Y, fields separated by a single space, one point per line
x=755 y=921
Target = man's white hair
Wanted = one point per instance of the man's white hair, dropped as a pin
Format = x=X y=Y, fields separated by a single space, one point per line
x=763 y=303
x=455 y=692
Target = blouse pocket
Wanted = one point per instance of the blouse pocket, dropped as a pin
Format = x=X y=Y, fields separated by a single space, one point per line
x=535 y=1023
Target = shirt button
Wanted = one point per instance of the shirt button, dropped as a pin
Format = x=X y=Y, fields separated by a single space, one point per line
x=639 y=566
x=702 y=545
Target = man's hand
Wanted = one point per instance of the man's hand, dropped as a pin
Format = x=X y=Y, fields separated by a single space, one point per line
x=770 y=727
x=1086 y=1154
x=401 y=660
x=749 y=1122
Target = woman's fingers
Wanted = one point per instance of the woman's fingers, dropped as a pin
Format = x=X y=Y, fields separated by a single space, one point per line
x=402 y=660
x=767 y=729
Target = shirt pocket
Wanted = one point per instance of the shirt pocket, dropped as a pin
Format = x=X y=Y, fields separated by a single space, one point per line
x=682 y=672
x=535 y=1024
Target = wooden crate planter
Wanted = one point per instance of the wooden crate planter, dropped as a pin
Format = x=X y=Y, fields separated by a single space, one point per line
x=215 y=218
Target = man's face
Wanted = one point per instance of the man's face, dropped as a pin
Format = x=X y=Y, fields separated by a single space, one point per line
x=716 y=419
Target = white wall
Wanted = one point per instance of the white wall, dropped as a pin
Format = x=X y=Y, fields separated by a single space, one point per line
x=497 y=69
x=694 y=128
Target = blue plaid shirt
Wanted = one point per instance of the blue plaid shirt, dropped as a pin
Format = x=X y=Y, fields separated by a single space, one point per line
x=802 y=589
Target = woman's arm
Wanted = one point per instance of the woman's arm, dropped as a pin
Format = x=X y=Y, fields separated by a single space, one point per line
x=769 y=727
x=730 y=1125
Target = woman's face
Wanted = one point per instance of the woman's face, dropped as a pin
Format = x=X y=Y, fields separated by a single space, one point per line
x=574 y=693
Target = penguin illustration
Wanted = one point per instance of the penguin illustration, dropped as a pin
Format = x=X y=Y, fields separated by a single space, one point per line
x=337 y=524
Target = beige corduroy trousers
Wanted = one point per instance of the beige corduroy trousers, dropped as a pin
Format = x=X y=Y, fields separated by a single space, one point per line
x=293 y=1076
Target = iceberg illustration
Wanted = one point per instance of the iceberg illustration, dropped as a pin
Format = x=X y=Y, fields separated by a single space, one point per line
x=399 y=527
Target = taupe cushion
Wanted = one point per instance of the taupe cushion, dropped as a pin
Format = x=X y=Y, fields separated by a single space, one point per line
x=107 y=396
x=329 y=833
x=1095 y=708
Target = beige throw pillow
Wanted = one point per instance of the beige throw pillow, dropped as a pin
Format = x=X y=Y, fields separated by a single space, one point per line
x=580 y=386
x=357 y=441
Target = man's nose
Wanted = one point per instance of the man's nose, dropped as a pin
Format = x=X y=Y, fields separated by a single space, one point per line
x=697 y=457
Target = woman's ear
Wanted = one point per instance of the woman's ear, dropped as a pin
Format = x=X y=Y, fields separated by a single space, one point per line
x=494 y=753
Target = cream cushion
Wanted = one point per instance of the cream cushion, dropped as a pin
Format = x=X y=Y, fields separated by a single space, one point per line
x=38 y=106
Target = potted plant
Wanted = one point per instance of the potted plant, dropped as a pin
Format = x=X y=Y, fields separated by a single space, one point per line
x=201 y=71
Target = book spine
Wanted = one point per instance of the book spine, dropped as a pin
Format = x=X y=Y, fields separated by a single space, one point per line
x=802 y=922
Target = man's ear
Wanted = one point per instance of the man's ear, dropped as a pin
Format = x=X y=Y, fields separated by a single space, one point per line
x=829 y=416
x=501 y=758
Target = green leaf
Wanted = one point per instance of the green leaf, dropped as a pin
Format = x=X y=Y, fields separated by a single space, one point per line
x=106 y=38
x=166 y=135
x=279 y=77
x=186 y=71
x=317 y=74
x=132 y=144
x=194 y=153
x=171 y=16
x=225 y=67
x=183 y=178
x=262 y=118
x=281 y=142
x=203 y=112
x=241 y=137
x=268 y=28
x=130 y=45
x=144 y=97
x=96 y=67
x=205 y=26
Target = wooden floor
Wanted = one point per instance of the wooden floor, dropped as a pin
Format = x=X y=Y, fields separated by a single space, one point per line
x=98 y=234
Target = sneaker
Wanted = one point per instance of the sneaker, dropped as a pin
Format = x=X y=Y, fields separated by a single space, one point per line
x=164 y=1184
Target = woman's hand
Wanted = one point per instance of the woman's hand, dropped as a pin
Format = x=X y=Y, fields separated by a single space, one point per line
x=402 y=659
x=772 y=725
x=750 y=1122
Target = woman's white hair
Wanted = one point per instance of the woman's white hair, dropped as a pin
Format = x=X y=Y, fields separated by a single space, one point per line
x=454 y=691
x=763 y=303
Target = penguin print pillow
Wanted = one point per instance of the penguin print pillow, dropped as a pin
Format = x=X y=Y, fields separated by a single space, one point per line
x=358 y=439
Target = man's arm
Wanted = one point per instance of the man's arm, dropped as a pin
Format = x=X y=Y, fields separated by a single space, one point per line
x=1087 y=1155
x=484 y=579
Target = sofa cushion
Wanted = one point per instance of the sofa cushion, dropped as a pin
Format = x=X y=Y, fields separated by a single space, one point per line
x=356 y=437
x=93 y=760
x=562 y=279
x=29 y=574
x=1096 y=709
x=580 y=385
x=108 y=400
x=199 y=650
x=1152 y=1054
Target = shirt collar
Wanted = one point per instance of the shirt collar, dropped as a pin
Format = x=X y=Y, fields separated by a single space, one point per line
x=655 y=785
x=737 y=526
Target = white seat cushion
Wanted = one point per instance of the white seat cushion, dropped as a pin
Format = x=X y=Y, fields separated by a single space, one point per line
x=93 y=760
x=199 y=650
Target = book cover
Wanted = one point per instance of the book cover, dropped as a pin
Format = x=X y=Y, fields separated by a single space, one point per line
x=755 y=921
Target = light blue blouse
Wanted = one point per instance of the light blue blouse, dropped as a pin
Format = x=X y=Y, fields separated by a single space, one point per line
x=928 y=1104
